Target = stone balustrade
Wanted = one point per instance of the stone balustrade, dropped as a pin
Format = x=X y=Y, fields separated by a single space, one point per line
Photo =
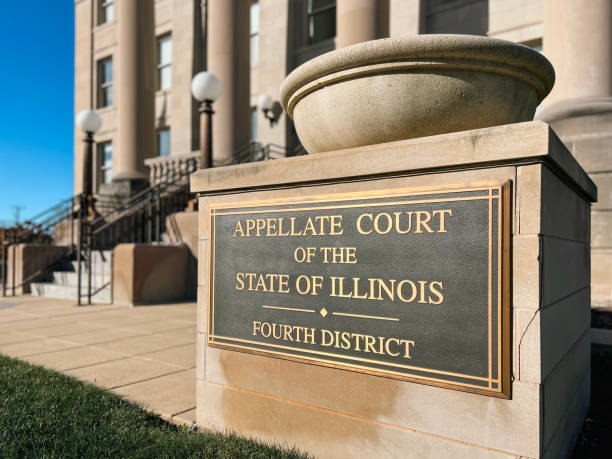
x=172 y=168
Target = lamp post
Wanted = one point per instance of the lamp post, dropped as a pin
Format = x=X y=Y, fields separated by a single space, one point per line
x=266 y=104
x=206 y=88
x=89 y=122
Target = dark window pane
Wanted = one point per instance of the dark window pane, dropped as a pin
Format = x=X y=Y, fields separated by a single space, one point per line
x=107 y=72
x=322 y=26
x=316 y=4
x=163 y=142
x=108 y=96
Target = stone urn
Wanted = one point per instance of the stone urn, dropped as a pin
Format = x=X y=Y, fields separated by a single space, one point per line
x=413 y=86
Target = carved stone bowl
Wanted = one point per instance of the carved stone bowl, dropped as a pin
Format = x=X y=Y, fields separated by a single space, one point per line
x=413 y=86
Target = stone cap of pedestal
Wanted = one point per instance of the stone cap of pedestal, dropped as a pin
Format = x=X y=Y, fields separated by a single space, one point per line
x=512 y=144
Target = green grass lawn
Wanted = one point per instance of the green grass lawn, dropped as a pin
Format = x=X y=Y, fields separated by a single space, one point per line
x=47 y=414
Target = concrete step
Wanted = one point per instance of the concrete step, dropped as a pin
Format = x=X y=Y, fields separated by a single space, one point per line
x=68 y=292
x=101 y=255
x=95 y=267
x=98 y=279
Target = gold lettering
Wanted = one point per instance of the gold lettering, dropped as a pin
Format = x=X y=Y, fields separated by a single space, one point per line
x=238 y=228
x=274 y=331
x=407 y=345
x=309 y=335
x=357 y=336
x=250 y=226
x=369 y=344
x=422 y=290
x=397 y=222
x=324 y=334
x=423 y=222
x=442 y=213
x=346 y=342
x=321 y=219
x=389 y=223
x=283 y=283
x=280 y=228
x=388 y=291
x=293 y=233
x=310 y=227
x=260 y=225
x=264 y=333
x=298 y=283
x=317 y=283
x=387 y=351
x=356 y=290
x=336 y=225
x=399 y=291
x=436 y=292
x=240 y=279
x=359 y=223
x=271 y=227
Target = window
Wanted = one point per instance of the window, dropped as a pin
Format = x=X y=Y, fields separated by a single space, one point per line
x=253 y=124
x=106 y=11
x=163 y=142
x=321 y=20
x=105 y=82
x=164 y=62
x=105 y=153
x=254 y=33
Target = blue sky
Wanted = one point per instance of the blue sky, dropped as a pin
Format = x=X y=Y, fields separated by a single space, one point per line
x=36 y=115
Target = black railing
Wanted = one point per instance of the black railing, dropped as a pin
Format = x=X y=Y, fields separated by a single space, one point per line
x=41 y=229
x=139 y=219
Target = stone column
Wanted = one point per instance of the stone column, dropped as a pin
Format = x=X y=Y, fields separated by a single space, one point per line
x=406 y=17
x=361 y=20
x=228 y=59
x=135 y=91
x=578 y=42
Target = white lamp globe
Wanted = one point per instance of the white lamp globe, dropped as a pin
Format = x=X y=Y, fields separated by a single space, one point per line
x=88 y=121
x=205 y=86
x=265 y=102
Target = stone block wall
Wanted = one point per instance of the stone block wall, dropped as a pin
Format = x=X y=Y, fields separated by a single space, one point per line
x=589 y=139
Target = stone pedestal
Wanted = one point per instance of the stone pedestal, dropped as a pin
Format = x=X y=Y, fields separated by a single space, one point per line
x=333 y=412
x=149 y=274
x=24 y=261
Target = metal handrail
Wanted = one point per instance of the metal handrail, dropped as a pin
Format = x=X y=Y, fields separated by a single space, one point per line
x=39 y=231
x=140 y=218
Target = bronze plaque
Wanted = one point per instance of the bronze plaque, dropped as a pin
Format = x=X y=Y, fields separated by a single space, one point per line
x=407 y=283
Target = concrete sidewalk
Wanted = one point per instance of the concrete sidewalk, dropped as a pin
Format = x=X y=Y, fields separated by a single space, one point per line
x=144 y=354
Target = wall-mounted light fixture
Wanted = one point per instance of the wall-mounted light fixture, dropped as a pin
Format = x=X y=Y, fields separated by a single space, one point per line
x=268 y=107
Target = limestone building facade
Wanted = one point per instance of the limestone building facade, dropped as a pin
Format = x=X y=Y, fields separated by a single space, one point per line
x=134 y=61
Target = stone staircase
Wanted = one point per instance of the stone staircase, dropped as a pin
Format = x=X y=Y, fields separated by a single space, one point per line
x=63 y=283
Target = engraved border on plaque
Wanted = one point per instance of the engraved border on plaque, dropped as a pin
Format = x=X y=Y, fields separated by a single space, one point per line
x=498 y=331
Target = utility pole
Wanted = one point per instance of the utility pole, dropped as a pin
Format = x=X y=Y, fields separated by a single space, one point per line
x=17 y=212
